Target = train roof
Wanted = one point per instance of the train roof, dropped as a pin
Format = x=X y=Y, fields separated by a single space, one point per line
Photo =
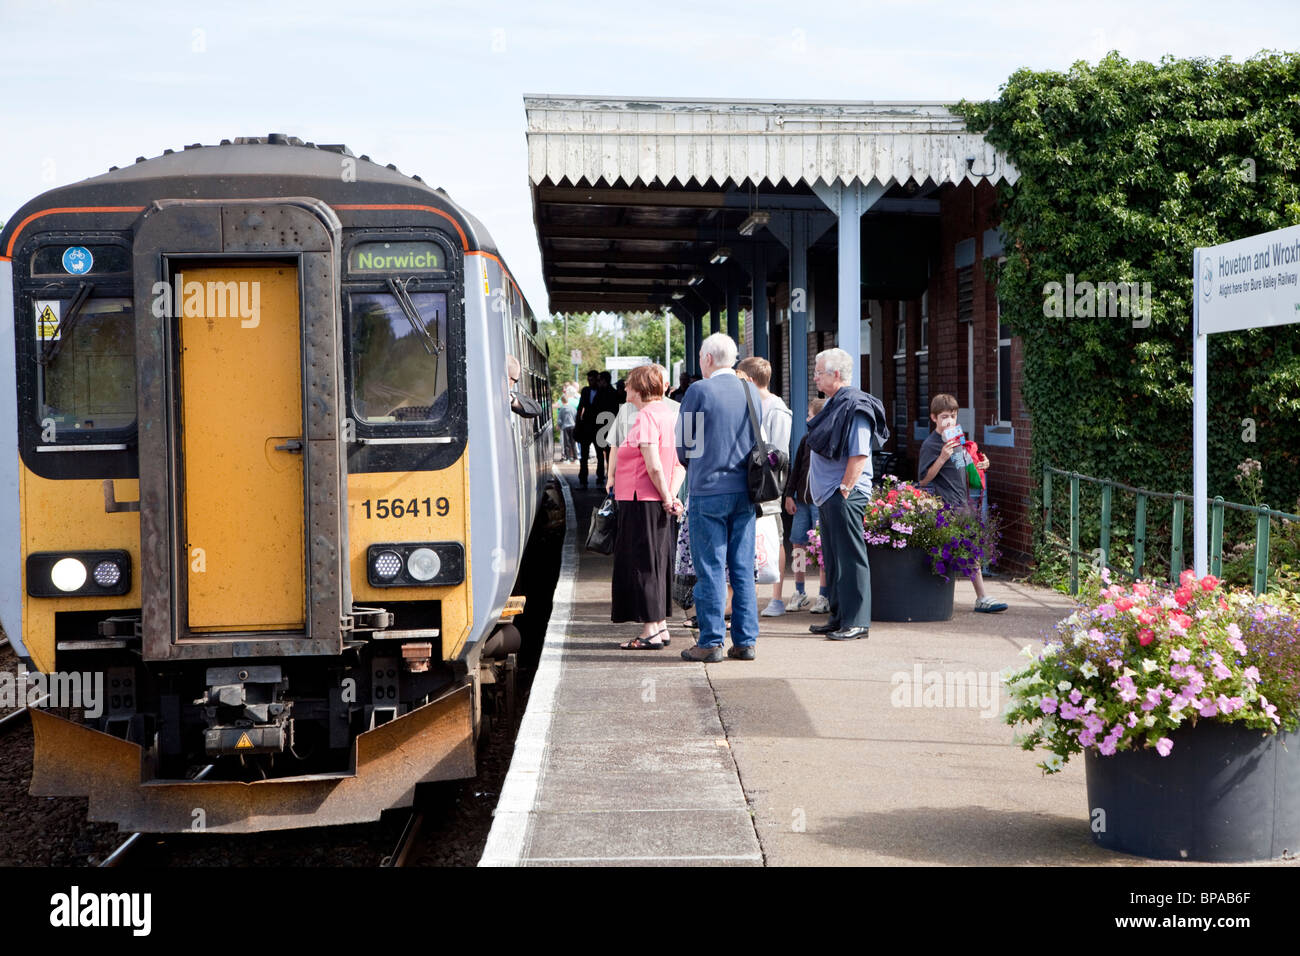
x=241 y=167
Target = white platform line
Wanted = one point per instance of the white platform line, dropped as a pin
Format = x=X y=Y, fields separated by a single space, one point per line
x=513 y=816
x=756 y=857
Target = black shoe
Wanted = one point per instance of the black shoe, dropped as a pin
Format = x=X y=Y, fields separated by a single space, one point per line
x=705 y=655
x=741 y=652
x=823 y=628
x=849 y=634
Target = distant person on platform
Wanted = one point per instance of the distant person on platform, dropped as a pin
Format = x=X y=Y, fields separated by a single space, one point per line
x=605 y=405
x=584 y=432
x=714 y=444
x=566 y=416
x=839 y=476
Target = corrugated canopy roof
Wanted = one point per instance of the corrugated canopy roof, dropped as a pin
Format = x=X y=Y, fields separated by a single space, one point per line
x=573 y=139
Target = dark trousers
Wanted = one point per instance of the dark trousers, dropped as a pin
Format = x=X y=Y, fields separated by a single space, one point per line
x=584 y=449
x=844 y=552
x=570 y=451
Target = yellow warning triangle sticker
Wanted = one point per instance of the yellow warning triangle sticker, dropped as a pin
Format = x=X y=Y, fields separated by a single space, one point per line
x=244 y=743
x=47 y=325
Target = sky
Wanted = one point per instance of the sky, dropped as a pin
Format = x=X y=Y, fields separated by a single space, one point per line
x=437 y=88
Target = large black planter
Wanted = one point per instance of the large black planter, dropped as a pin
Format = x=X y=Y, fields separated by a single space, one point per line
x=904 y=586
x=1224 y=793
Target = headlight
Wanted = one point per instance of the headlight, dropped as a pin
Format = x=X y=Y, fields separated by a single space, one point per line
x=107 y=574
x=423 y=564
x=78 y=573
x=68 y=574
x=386 y=565
x=415 y=564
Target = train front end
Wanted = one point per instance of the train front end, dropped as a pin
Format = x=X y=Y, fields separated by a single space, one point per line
x=240 y=502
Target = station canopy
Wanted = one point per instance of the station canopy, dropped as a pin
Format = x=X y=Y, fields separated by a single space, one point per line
x=637 y=201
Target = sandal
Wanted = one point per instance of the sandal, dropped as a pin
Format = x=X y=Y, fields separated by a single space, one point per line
x=667 y=639
x=642 y=644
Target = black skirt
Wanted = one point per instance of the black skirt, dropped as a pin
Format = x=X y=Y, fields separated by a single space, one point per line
x=643 y=563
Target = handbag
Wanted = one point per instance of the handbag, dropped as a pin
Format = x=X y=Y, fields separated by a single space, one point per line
x=604 y=527
x=767 y=465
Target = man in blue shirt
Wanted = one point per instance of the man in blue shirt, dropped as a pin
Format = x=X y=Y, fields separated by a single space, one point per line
x=713 y=442
x=839 y=478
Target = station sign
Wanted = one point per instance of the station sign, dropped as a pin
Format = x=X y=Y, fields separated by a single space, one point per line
x=621 y=363
x=1249 y=283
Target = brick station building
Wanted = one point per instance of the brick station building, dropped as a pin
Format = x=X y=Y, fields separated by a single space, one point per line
x=713 y=208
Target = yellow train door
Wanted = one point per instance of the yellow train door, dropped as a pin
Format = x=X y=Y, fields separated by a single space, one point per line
x=241 y=419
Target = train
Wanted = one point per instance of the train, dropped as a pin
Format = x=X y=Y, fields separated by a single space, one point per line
x=281 y=430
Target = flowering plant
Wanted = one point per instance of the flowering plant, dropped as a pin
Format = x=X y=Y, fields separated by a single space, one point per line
x=815 y=545
x=1133 y=663
x=900 y=515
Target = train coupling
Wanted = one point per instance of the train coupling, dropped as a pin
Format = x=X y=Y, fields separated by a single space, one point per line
x=244 y=711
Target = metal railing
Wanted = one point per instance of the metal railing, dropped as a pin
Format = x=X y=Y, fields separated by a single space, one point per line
x=1263 y=513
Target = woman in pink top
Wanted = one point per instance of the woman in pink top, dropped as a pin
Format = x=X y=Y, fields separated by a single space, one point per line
x=645 y=479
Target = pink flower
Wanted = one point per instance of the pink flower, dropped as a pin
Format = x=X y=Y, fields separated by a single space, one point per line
x=1087 y=738
x=1047 y=705
x=1146 y=636
x=1251 y=674
x=1075 y=696
x=1127 y=692
x=1221 y=672
x=1269 y=709
x=1123 y=604
x=1187 y=578
x=1209 y=582
x=1164 y=745
x=1106 y=611
x=1115 y=664
x=1208 y=708
x=1094 y=723
x=1069 y=711
x=1132 y=719
x=1107 y=746
x=1179 y=654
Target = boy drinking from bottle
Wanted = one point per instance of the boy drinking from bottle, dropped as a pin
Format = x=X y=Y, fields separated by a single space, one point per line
x=942 y=467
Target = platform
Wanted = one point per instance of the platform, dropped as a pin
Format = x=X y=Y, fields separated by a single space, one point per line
x=812 y=754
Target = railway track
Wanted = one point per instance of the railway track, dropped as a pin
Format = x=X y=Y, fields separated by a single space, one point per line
x=406 y=842
x=121 y=855
x=22 y=716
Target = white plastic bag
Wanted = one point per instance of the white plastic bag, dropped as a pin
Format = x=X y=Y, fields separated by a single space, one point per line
x=767 y=549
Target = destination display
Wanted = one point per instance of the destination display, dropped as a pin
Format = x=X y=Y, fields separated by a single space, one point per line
x=397 y=257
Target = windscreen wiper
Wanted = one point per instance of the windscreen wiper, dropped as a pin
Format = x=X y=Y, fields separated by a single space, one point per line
x=398 y=289
x=66 y=324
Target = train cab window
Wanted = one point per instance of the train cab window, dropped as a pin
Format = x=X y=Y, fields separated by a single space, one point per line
x=399 y=364
x=87 y=371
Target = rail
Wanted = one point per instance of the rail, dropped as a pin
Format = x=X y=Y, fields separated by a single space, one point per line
x=1264 y=515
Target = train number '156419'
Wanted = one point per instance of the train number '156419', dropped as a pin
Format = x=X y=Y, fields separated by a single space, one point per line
x=408 y=508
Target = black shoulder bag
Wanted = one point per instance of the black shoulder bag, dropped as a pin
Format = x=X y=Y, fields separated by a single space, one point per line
x=768 y=465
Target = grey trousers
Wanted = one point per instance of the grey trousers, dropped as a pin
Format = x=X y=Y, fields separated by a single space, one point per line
x=844 y=551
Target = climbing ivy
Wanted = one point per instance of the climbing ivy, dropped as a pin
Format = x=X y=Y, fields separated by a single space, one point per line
x=1126 y=167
